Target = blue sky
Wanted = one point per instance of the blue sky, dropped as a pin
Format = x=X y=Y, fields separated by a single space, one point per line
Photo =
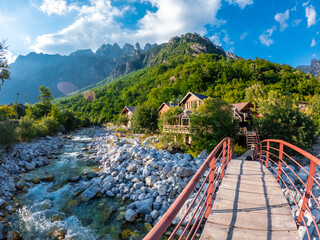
x=283 y=31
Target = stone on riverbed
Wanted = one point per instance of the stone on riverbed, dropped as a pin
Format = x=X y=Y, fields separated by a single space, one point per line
x=74 y=179
x=150 y=181
x=90 y=192
x=130 y=215
x=184 y=172
x=13 y=235
x=29 y=166
x=48 y=178
x=145 y=206
x=3 y=203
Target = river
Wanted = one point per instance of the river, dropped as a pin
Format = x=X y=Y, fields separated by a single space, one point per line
x=53 y=210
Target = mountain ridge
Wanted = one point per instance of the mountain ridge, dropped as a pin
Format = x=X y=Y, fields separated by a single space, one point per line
x=313 y=68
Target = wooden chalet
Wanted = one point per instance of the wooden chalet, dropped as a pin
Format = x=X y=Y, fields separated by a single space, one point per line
x=192 y=101
x=129 y=111
x=165 y=107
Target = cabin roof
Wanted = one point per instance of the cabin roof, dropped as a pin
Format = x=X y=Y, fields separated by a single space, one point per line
x=168 y=104
x=128 y=109
x=199 y=96
x=240 y=106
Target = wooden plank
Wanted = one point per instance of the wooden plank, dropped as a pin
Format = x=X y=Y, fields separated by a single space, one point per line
x=221 y=232
x=250 y=205
x=227 y=205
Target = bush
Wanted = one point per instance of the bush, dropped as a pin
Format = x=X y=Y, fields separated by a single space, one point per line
x=49 y=126
x=123 y=120
x=145 y=118
x=213 y=123
x=27 y=129
x=239 y=150
x=283 y=120
x=7 y=136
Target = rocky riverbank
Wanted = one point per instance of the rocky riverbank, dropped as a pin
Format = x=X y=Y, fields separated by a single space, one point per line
x=19 y=159
x=151 y=178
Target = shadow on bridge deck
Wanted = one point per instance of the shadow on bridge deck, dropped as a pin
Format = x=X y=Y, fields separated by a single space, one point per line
x=249 y=205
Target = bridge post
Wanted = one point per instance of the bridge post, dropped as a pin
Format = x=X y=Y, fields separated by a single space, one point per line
x=267 y=155
x=223 y=158
x=210 y=190
x=229 y=152
x=280 y=161
x=308 y=191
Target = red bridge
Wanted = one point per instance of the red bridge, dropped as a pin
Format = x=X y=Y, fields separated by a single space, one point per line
x=243 y=199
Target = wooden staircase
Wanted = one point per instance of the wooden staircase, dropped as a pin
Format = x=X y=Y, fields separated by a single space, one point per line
x=252 y=139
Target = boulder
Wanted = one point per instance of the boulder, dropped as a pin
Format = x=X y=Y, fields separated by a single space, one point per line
x=29 y=166
x=162 y=189
x=90 y=192
x=184 y=172
x=130 y=215
x=48 y=178
x=154 y=214
x=145 y=206
x=150 y=181
x=13 y=235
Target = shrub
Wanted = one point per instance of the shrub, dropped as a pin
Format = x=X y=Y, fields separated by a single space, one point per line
x=239 y=150
x=6 y=112
x=7 y=136
x=213 y=123
x=145 y=118
x=27 y=129
x=123 y=120
x=283 y=120
x=49 y=126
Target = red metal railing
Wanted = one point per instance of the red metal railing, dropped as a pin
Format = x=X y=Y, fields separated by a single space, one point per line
x=274 y=154
x=200 y=206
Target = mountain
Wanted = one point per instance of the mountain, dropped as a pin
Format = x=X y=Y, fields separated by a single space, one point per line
x=65 y=74
x=314 y=67
x=186 y=63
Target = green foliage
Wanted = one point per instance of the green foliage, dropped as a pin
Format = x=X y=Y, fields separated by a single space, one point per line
x=283 y=120
x=27 y=129
x=315 y=109
x=255 y=93
x=7 y=112
x=145 y=118
x=213 y=123
x=209 y=74
x=49 y=126
x=4 y=67
x=43 y=107
x=123 y=120
x=7 y=136
x=238 y=149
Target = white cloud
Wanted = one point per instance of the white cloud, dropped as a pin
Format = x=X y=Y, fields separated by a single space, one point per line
x=215 y=39
x=54 y=6
x=242 y=3
x=296 y=22
x=243 y=35
x=282 y=19
x=311 y=15
x=265 y=37
x=97 y=24
x=305 y=3
x=10 y=57
x=313 y=43
x=26 y=40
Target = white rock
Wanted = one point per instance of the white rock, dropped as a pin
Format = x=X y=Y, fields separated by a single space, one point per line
x=130 y=215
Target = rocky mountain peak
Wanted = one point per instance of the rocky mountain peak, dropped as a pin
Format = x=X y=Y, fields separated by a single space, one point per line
x=313 y=68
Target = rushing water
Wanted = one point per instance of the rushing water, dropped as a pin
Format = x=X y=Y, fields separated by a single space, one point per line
x=53 y=210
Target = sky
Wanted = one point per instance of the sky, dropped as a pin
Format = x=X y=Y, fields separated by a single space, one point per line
x=282 y=31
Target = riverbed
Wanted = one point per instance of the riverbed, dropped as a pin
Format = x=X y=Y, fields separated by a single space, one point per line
x=53 y=209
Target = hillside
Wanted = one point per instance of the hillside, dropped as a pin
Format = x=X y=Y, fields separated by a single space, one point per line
x=178 y=68
x=65 y=74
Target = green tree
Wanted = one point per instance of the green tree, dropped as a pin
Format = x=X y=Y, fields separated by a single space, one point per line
x=6 y=112
x=315 y=110
x=7 y=136
x=27 y=129
x=49 y=126
x=123 y=120
x=213 y=123
x=43 y=107
x=170 y=117
x=283 y=120
x=145 y=118
x=4 y=67
x=255 y=93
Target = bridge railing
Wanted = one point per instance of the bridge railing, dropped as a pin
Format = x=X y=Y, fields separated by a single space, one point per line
x=208 y=176
x=302 y=185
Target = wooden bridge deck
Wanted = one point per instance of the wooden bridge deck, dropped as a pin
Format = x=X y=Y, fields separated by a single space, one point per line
x=249 y=205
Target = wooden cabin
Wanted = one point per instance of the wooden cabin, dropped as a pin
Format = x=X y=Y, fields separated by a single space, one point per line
x=165 y=107
x=244 y=109
x=191 y=101
x=128 y=111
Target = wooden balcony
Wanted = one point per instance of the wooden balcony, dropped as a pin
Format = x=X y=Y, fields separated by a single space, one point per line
x=185 y=129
